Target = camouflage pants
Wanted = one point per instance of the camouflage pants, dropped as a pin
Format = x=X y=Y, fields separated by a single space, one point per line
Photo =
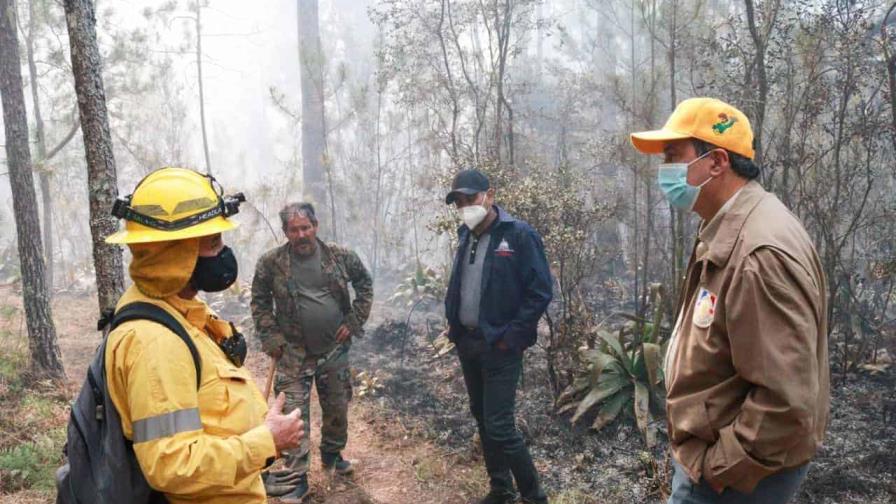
x=296 y=374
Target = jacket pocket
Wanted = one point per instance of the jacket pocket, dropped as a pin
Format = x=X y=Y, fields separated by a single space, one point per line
x=231 y=402
x=503 y=265
x=688 y=417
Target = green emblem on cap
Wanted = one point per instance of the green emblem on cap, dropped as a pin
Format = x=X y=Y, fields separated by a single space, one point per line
x=723 y=125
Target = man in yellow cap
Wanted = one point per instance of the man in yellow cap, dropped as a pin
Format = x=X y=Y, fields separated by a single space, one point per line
x=746 y=368
x=199 y=438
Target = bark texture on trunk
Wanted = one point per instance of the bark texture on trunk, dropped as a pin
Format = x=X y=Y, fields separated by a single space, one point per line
x=80 y=17
x=46 y=360
x=313 y=133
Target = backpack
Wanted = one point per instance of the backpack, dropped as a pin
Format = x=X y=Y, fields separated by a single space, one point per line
x=102 y=467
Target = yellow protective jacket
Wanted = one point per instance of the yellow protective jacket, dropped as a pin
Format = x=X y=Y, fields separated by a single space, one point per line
x=208 y=445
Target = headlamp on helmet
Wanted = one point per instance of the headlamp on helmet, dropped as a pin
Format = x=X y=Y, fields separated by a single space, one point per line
x=227 y=206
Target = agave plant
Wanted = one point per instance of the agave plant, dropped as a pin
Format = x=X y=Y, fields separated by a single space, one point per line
x=617 y=377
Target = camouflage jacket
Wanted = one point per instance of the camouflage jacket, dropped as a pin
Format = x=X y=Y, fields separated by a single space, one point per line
x=273 y=305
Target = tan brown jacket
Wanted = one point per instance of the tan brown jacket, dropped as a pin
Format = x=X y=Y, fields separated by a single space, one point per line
x=747 y=367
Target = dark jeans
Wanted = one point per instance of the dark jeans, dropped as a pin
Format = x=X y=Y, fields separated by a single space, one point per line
x=778 y=488
x=492 y=376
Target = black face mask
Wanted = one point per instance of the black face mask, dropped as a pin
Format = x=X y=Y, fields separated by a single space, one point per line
x=214 y=274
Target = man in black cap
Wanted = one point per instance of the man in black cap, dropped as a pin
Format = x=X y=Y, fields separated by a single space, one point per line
x=500 y=286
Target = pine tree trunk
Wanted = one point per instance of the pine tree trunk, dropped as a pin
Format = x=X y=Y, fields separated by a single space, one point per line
x=101 y=177
x=47 y=210
x=41 y=135
x=208 y=158
x=311 y=75
x=45 y=357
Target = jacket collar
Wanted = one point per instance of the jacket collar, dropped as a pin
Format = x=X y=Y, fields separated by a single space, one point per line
x=195 y=311
x=503 y=216
x=721 y=233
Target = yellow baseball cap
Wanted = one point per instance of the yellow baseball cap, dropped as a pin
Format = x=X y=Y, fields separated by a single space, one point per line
x=707 y=119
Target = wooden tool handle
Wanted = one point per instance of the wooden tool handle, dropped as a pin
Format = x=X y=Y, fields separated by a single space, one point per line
x=270 y=381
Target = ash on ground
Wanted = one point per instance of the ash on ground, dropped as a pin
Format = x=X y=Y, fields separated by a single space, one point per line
x=427 y=392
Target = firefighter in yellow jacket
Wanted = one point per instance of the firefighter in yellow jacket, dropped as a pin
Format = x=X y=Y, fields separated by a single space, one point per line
x=194 y=445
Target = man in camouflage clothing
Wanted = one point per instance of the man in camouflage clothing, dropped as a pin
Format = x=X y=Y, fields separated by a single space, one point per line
x=304 y=316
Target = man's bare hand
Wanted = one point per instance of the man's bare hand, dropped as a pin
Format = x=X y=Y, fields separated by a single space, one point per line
x=343 y=334
x=287 y=430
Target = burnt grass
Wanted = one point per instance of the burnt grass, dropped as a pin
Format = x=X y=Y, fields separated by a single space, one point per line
x=426 y=392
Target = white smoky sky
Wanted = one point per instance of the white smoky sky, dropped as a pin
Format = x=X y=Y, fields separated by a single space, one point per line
x=248 y=48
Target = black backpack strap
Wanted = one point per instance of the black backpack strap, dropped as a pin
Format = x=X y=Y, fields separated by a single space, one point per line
x=147 y=311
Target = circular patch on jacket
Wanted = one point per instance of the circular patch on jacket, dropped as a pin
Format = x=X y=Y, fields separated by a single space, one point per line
x=704 y=309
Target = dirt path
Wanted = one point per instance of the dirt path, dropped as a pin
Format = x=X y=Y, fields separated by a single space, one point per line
x=394 y=465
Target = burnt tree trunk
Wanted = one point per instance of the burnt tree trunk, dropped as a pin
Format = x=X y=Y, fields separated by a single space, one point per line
x=45 y=357
x=80 y=17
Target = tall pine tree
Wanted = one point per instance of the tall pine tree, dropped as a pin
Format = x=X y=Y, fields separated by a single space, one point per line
x=80 y=17
x=45 y=357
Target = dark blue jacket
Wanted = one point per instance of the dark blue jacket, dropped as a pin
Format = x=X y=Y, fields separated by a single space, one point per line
x=516 y=284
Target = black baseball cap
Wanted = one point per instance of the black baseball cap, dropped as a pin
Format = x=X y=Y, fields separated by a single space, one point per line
x=467 y=182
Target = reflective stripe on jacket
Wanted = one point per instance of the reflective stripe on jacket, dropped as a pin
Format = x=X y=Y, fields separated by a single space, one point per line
x=208 y=445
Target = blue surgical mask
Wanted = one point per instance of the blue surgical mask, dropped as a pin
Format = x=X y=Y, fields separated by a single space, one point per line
x=673 y=180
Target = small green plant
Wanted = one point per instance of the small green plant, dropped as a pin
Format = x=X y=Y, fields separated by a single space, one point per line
x=7 y=311
x=13 y=357
x=38 y=406
x=420 y=285
x=423 y=285
x=32 y=464
x=617 y=376
x=19 y=466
